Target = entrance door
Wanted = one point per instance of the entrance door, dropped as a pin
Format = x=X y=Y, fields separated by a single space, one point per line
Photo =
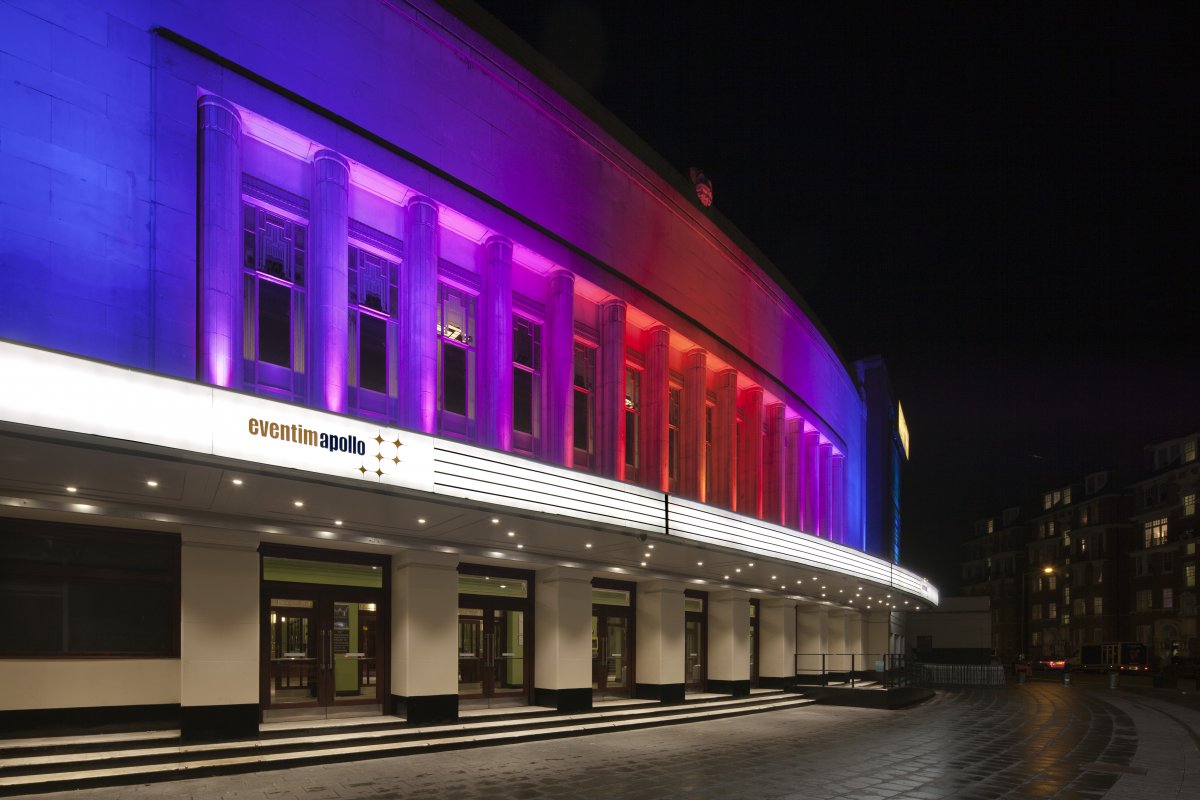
x=322 y=653
x=491 y=654
x=611 y=643
x=754 y=641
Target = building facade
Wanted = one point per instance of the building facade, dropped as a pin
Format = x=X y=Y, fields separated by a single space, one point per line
x=997 y=567
x=353 y=366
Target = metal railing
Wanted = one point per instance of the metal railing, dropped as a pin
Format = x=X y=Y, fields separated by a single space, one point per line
x=888 y=670
x=957 y=675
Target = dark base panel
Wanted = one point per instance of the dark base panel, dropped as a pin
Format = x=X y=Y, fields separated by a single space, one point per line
x=218 y=723
x=98 y=719
x=768 y=682
x=669 y=694
x=734 y=688
x=565 y=701
x=426 y=709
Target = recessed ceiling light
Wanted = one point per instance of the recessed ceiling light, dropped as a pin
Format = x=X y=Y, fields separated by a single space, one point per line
x=420 y=520
x=512 y=533
x=737 y=569
x=236 y=481
x=588 y=545
x=152 y=484
x=337 y=522
x=650 y=546
x=726 y=577
x=643 y=563
x=645 y=555
x=520 y=547
x=751 y=563
x=298 y=503
x=774 y=578
x=495 y=520
x=72 y=489
x=699 y=563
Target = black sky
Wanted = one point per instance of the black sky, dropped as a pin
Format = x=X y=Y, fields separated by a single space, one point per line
x=1001 y=199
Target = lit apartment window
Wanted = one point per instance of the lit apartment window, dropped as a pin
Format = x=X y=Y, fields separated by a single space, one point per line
x=1189 y=504
x=1083 y=516
x=1066 y=595
x=1080 y=606
x=1052 y=582
x=1141 y=600
x=1066 y=496
x=633 y=422
x=1097 y=605
x=1051 y=611
x=1047 y=500
x=1050 y=528
x=1189 y=451
x=1189 y=574
x=1155 y=532
x=674 y=401
x=273 y=274
x=1035 y=638
x=527 y=381
x=1066 y=618
x=372 y=283
x=990 y=526
x=1168 y=598
x=585 y=404
x=456 y=361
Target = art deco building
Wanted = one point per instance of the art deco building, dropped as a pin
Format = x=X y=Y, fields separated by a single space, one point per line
x=353 y=362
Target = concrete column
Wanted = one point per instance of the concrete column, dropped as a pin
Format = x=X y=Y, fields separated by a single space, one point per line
x=656 y=345
x=659 y=637
x=724 y=446
x=610 y=394
x=558 y=427
x=825 y=488
x=729 y=643
x=793 y=472
x=219 y=634
x=838 y=660
x=812 y=640
x=750 y=448
x=328 y=284
x=691 y=426
x=425 y=636
x=777 y=642
x=562 y=675
x=877 y=634
x=853 y=635
x=773 y=464
x=220 y=244
x=495 y=308
x=418 y=320
x=811 y=499
x=838 y=498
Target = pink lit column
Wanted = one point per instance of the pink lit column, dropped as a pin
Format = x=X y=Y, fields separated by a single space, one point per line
x=418 y=323
x=838 y=501
x=750 y=454
x=496 y=414
x=773 y=464
x=220 y=243
x=724 y=446
x=610 y=398
x=328 y=283
x=793 y=473
x=655 y=382
x=558 y=427
x=811 y=501
x=691 y=461
x=825 y=488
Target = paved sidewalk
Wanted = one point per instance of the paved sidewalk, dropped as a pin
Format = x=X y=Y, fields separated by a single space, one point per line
x=1033 y=741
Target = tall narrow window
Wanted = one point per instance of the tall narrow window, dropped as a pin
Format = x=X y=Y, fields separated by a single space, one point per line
x=674 y=403
x=633 y=422
x=373 y=289
x=527 y=365
x=709 y=410
x=456 y=361
x=584 y=408
x=273 y=273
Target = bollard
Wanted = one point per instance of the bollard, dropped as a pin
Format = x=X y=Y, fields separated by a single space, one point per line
x=1112 y=679
x=1066 y=678
x=1020 y=676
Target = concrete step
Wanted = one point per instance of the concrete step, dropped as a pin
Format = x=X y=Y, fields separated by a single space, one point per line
x=76 y=762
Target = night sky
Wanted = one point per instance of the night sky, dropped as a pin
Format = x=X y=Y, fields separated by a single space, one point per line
x=1001 y=199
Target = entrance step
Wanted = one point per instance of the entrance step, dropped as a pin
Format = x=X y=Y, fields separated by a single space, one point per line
x=43 y=765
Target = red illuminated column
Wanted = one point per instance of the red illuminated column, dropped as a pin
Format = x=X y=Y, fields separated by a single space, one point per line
x=496 y=417
x=811 y=501
x=773 y=464
x=793 y=473
x=838 y=505
x=656 y=343
x=558 y=427
x=724 y=446
x=610 y=399
x=328 y=283
x=750 y=454
x=220 y=243
x=692 y=457
x=825 y=488
x=418 y=322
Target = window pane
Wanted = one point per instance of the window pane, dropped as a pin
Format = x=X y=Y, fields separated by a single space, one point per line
x=119 y=618
x=454 y=379
x=372 y=353
x=583 y=421
x=526 y=341
x=274 y=323
x=584 y=366
x=522 y=400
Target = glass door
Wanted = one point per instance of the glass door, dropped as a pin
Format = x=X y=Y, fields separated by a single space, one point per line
x=491 y=655
x=610 y=653
x=754 y=641
x=694 y=643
